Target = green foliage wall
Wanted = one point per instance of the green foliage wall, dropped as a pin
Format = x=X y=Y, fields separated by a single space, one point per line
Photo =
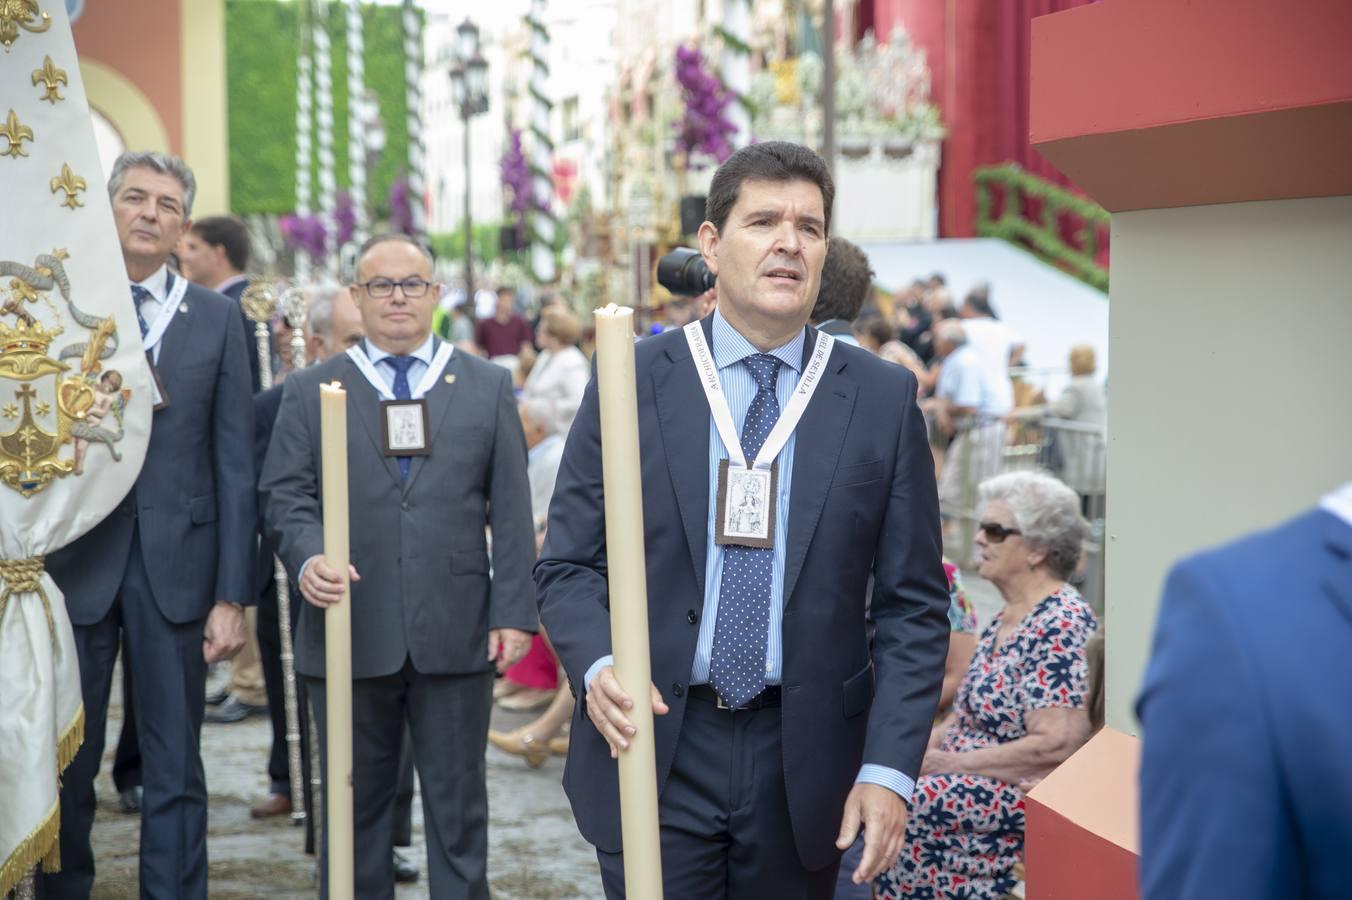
x=262 y=41
x=449 y=246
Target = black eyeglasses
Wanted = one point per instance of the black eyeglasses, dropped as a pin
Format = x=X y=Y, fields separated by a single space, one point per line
x=381 y=288
x=997 y=532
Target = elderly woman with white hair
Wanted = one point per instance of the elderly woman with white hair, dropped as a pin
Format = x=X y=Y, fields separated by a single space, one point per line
x=1020 y=711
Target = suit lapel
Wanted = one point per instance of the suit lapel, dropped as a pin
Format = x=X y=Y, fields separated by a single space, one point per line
x=363 y=403
x=1338 y=582
x=683 y=418
x=438 y=404
x=172 y=343
x=817 y=443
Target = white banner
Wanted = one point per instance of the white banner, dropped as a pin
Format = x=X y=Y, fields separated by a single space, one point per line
x=74 y=406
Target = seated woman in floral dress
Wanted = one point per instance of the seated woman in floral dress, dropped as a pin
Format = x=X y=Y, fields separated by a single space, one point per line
x=962 y=635
x=1019 y=712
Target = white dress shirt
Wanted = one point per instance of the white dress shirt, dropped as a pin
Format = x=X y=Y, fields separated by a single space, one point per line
x=1339 y=502
x=158 y=286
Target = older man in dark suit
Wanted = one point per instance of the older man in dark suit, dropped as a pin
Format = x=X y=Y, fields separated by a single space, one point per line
x=771 y=747
x=166 y=573
x=428 y=620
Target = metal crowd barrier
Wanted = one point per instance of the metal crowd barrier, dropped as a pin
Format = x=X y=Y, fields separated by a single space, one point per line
x=1028 y=440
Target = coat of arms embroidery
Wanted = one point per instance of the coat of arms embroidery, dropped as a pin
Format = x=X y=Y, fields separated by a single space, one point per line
x=67 y=399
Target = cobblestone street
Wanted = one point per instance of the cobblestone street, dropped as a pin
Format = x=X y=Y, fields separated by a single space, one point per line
x=534 y=850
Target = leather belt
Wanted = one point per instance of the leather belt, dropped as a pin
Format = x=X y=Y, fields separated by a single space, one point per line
x=771 y=696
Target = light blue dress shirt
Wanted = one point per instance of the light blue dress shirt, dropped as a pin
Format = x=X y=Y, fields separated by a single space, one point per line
x=422 y=359
x=729 y=348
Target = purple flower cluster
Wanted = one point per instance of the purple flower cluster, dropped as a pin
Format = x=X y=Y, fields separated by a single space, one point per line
x=401 y=202
x=518 y=181
x=704 y=128
x=309 y=232
x=304 y=232
x=344 y=216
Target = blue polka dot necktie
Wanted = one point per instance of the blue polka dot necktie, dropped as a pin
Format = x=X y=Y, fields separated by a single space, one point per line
x=737 y=663
x=140 y=295
x=401 y=365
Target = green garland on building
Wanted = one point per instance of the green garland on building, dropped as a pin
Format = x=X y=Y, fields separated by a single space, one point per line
x=1043 y=238
x=261 y=38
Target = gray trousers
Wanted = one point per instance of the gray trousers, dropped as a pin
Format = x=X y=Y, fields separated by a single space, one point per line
x=447 y=718
x=724 y=815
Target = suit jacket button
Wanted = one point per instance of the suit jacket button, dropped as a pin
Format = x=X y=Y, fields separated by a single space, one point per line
x=691 y=616
x=404 y=506
x=677 y=690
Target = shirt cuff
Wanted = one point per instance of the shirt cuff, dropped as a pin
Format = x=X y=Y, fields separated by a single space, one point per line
x=607 y=660
x=897 y=782
x=300 y=576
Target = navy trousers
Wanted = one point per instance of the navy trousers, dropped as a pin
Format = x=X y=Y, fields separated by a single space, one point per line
x=170 y=677
x=724 y=815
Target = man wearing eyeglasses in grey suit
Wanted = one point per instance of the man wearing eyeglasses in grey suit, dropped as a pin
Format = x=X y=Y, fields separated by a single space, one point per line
x=428 y=621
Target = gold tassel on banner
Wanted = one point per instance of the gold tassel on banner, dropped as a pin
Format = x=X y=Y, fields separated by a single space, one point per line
x=69 y=742
x=24 y=576
x=42 y=844
x=39 y=847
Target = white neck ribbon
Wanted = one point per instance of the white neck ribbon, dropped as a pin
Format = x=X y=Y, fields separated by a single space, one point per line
x=368 y=368
x=718 y=402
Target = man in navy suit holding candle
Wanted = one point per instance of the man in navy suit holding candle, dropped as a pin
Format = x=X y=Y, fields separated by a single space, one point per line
x=780 y=732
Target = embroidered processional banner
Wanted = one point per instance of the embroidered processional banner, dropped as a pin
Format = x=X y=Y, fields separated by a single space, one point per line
x=74 y=406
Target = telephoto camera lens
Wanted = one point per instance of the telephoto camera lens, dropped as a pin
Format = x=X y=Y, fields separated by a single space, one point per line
x=685 y=273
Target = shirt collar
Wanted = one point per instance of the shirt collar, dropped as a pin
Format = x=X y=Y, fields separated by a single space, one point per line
x=730 y=348
x=157 y=284
x=1340 y=503
x=230 y=282
x=424 y=353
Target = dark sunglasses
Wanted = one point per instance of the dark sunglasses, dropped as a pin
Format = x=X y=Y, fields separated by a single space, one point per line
x=996 y=532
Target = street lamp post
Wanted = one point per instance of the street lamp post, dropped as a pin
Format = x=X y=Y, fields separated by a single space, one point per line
x=469 y=91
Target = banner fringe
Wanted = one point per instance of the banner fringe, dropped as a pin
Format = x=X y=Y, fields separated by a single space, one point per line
x=39 y=847
x=42 y=845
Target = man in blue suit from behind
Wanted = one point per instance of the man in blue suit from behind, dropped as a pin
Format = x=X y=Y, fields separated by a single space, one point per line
x=1246 y=790
x=779 y=729
x=169 y=568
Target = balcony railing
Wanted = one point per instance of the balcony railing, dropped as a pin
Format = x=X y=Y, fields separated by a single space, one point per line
x=1061 y=228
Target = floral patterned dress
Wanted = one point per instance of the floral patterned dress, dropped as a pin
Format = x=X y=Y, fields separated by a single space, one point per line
x=965 y=832
x=961 y=613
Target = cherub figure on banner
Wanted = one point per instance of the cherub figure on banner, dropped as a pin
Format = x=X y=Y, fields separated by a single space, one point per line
x=55 y=404
x=109 y=397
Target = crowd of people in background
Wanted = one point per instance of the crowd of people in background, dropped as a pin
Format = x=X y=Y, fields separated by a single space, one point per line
x=1017 y=692
x=1016 y=688
x=1017 y=695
